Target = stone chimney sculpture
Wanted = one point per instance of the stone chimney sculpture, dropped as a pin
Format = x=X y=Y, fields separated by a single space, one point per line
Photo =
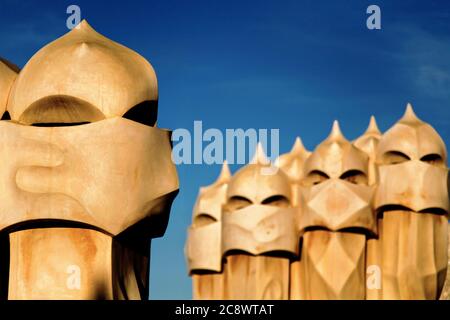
x=336 y=217
x=87 y=177
x=368 y=142
x=412 y=202
x=292 y=163
x=204 y=245
x=243 y=238
x=370 y=220
x=8 y=74
x=259 y=233
x=446 y=291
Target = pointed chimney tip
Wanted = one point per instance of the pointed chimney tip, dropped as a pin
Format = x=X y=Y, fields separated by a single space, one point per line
x=373 y=126
x=260 y=156
x=336 y=133
x=409 y=115
x=299 y=147
x=225 y=173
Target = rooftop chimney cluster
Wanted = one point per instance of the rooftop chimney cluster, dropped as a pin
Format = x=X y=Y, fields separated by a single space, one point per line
x=366 y=219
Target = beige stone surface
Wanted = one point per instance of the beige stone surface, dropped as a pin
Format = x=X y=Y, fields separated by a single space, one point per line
x=256 y=277
x=87 y=178
x=446 y=291
x=414 y=255
x=333 y=266
x=335 y=198
x=203 y=247
x=259 y=220
x=260 y=229
x=51 y=264
x=8 y=74
x=334 y=157
x=75 y=264
x=371 y=221
x=413 y=202
x=242 y=248
x=368 y=142
x=87 y=173
x=208 y=286
x=82 y=76
x=292 y=163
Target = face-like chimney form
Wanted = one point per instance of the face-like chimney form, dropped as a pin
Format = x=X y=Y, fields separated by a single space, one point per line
x=87 y=177
x=412 y=203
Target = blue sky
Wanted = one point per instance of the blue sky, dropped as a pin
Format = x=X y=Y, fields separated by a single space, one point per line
x=292 y=65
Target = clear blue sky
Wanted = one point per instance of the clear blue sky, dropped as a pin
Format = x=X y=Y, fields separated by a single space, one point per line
x=292 y=65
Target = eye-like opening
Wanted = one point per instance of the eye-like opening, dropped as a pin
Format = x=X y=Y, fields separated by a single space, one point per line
x=60 y=110
x=59 y=124
x=145 y=113
x=6 y=116
x=355 y=177
x=315 y=177
x=202 y=220
x=277 y=201
x=395 y=157
x=433 y=159
x=236 y=203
